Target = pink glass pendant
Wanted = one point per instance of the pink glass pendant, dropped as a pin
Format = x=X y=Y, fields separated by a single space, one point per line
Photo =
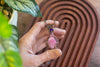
x=52 y=42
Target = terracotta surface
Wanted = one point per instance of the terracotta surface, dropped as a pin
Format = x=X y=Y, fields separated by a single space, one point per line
x=79 y=38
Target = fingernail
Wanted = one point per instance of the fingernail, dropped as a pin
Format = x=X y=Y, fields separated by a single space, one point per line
x=64 y=31
x=60 y=51
x=57 y=22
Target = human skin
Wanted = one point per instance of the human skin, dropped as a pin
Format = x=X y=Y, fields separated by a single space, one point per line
x=35 y=40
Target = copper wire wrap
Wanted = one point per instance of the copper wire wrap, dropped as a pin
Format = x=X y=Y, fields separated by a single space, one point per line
x=81 y=22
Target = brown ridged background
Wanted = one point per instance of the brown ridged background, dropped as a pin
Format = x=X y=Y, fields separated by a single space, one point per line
x=80 y=20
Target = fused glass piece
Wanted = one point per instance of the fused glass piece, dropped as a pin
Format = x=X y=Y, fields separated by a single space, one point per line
x=52 y=42
x=51 y=30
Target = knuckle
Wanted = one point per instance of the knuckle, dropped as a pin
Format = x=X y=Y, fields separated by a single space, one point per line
x=37 y=24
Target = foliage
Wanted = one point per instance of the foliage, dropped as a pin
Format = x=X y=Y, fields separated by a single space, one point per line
x=5 y=29
x=9 y=52
x=28 y=6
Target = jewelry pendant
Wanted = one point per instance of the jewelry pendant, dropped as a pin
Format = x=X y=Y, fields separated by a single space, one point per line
x=52 y=41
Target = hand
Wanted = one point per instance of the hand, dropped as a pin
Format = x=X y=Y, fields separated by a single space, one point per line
x=35 y=40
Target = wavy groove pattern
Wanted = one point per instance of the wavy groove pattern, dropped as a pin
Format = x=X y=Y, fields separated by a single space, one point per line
x=80 y=21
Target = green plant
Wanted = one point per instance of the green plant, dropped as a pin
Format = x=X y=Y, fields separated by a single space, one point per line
x=28 y=6
x=9 y=51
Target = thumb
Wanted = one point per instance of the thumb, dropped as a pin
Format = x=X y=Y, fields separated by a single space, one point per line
x=49 y=55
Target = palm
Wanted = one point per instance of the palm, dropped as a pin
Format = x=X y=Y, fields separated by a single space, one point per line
x=34 y=41
x=41 y=40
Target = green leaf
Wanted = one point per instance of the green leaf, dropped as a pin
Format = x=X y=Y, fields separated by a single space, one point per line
x=10 y=43
x=28 y=6
x=10 y=59
x=3 y=63
x=15 y=33
x=9 y=52
x=5 y=28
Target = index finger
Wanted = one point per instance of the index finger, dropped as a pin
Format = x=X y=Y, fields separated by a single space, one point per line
x=35 y=30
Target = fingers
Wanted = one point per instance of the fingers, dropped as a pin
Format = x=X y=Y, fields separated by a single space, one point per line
x=49 y=55
x=40 y=44
x=59 y=32
x=60 y=37
x=41 y=47
x=40 y=25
